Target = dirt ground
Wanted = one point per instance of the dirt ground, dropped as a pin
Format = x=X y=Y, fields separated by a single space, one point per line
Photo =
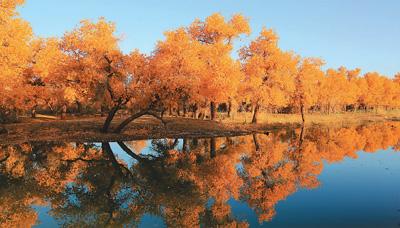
x=88 y=129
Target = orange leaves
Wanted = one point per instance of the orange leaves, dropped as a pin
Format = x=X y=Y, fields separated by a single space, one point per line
x=177 y=64
x=221 y=75
x=192 y=68
x=15 y=35
x=308 y=80
x=46 y=58
x=7 y=9
x=269 y=71
x=215 y=29
x=194 y=63
x=240 y=24
x=91 y=38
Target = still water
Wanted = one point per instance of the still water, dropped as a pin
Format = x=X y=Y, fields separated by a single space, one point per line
x=312 y=177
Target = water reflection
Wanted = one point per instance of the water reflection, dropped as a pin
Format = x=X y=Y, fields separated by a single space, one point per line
x=186 y=182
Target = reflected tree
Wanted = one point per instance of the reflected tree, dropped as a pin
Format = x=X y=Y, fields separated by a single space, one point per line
x=86 y=184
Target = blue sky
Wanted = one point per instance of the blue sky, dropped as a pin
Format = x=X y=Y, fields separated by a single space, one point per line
x=352 y=33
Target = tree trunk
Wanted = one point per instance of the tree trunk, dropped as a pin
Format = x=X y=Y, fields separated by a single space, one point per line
x=301 y=137
x=213 y=145
x=78 y=107
x=124 y=123
x=255 y=112
x=195 y=142
x=174 y=144
x=170 y=110
x=106 y=148
x=194 y=111
x=63 y=111
x=194 y=114
x=212 y=110
x=162 y=113
x=302 y=113
x=184 y=145
x=130 y=152
x=109 y=118
x=256 y=144
x=229 y=108
x=102 y=109
x=33 y=112
x=184 y=109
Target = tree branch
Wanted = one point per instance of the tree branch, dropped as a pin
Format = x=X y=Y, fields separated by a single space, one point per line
x=5 y=159
x=130 y=152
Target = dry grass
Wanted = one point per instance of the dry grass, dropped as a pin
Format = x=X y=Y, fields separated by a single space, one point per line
x=315 y=118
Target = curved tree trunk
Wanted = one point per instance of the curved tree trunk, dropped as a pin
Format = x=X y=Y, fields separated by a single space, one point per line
x=157 y=117
x=109 y=118
x=173 y=145
x=130 y=152
x=255 y=112
x=108 y=151
x=124 y=123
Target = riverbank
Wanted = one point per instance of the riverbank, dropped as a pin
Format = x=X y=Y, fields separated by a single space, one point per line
x=86 y=129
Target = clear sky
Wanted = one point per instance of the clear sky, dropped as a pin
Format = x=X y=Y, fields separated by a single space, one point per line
x=352 y=33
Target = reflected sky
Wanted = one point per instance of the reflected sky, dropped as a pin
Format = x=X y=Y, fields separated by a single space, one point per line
x=313 y=177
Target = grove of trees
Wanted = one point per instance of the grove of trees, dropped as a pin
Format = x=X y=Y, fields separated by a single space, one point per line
x=191 y=72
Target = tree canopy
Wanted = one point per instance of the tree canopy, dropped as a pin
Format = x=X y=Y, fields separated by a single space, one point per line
x=193 y=70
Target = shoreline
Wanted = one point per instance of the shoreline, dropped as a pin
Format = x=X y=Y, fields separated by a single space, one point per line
x=86 y=129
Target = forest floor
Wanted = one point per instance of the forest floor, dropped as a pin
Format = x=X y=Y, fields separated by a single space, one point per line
x=86 y=129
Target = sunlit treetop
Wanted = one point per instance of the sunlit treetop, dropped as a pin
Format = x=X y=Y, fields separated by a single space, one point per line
x=216 y=29
x=7 y=8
